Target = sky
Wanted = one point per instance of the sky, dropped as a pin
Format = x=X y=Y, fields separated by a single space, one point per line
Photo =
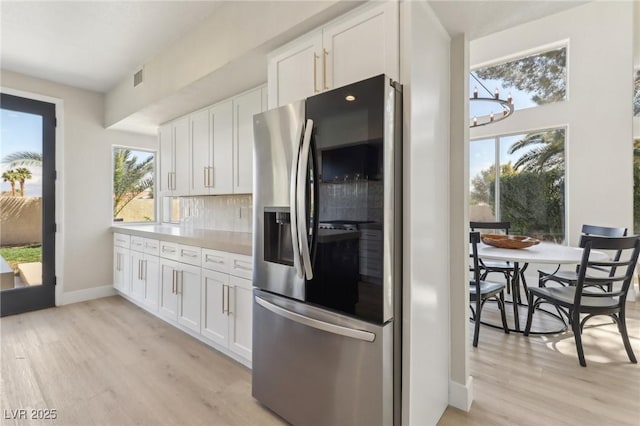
x=482 y=153
x=20 y=131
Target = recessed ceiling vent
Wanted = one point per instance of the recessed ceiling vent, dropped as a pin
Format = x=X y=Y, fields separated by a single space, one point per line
x=137 y=78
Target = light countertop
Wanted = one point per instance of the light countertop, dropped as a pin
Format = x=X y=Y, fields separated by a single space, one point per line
x=233 y=242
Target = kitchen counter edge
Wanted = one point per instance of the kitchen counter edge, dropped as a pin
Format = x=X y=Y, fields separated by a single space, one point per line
x=232 y=242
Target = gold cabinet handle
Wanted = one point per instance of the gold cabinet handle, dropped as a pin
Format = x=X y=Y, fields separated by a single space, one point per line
x=315 y=72
x=324 y=69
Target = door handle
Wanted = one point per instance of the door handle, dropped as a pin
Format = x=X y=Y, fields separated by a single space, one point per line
x=144 y=270
x=229 y=312
x=173 y=281
x=315 y=72
x=318 y=324
x=293 y=206
x=301 y=200
x=222 y=298
x=324 y=69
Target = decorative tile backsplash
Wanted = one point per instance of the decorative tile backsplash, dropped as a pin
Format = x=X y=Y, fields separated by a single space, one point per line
x=218 y=212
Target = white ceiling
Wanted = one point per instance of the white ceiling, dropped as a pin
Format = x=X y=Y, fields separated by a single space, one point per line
x=90 y=44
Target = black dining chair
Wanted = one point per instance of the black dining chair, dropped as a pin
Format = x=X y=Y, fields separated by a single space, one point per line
x=570 y=277
x=480 y=291
x=581 y=299
x=504 y=268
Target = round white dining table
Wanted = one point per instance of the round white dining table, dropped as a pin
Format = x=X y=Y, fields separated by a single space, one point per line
x=544 y=252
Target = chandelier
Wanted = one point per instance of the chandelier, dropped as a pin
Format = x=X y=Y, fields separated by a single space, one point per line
x=504 y=107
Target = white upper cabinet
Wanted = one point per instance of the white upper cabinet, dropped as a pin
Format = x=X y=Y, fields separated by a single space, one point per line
x=167 y=164
x=174 y=157
x=356 y=46
x=295 y=72
x=362 y=46
x=245 y=106
x=212 y=150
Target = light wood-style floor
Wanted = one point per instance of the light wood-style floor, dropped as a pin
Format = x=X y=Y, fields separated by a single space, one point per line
x=537 y=380
x=107 y=362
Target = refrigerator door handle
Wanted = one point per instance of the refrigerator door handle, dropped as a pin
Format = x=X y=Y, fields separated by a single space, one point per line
x=301 y=200
x=293 y=212
x=314 y=323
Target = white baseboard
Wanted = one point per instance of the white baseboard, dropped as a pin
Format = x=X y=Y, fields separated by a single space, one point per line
x=461 y=396
x=87 y=294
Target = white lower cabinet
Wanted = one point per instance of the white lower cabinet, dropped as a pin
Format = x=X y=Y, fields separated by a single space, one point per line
x=145 y=273
x=180 y=293
x=121 y=269
x=240 y=316
x=207 y=292
x=227 y=308
x=121 y=274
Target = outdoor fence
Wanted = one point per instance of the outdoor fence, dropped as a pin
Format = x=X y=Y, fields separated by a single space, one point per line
x=20 y=221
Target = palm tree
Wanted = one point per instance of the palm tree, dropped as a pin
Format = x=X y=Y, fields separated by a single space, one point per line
x=546 y=151
x=131 y=178
x=11 y=176
x=23 y=174
x=23 y=158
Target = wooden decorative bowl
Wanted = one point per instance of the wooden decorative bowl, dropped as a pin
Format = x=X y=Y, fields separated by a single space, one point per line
x=508 y=241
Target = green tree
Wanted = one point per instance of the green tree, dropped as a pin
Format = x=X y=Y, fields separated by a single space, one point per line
x=12 y=177
x=545 y=151
x=636 y=94
x=131 y=177
x=483 y=184
x=543 y=75
x=23 y=174
x=23 y=158
x=636 y=186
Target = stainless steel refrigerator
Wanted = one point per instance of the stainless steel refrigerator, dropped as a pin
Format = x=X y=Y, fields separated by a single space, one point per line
x=327 y=256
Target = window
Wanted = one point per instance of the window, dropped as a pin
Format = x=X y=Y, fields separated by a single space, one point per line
x=532 y=81
x=133 y=185
x=527 y=187
x=636 y=94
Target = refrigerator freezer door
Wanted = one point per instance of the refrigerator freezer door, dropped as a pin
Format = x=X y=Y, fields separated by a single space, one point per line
x=315 y=367
x=278 y=138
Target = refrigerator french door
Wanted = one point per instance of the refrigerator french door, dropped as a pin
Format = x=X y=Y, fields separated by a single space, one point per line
x=327 y=256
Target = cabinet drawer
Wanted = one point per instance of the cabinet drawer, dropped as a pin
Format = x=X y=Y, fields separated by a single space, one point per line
x=137 y=243
x=215 y=260
x=241 y=266
x=121 y=240
x=169 y=250
x=190 y=255
x=152 y=247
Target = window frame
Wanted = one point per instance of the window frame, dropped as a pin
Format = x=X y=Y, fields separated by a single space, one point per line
x=497 y=167
x=155 y=184
x=532 y=52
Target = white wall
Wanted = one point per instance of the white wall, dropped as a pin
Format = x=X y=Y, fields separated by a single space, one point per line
x=597 y=112
x=461 y=385
x=84 y=240
x=425 y=75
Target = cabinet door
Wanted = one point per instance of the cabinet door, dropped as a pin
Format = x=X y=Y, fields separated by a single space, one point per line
x=168 y=303
x=215 y=290
x=137 y=281
x=295 y=72
x=245 y=107
x=220 y=177
x=240 y=316
x=151 y=275
x=165 y=141
x=362 y=46
x=189 y=289
x=121 y=270
x=181 y=154
x=200 y=153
